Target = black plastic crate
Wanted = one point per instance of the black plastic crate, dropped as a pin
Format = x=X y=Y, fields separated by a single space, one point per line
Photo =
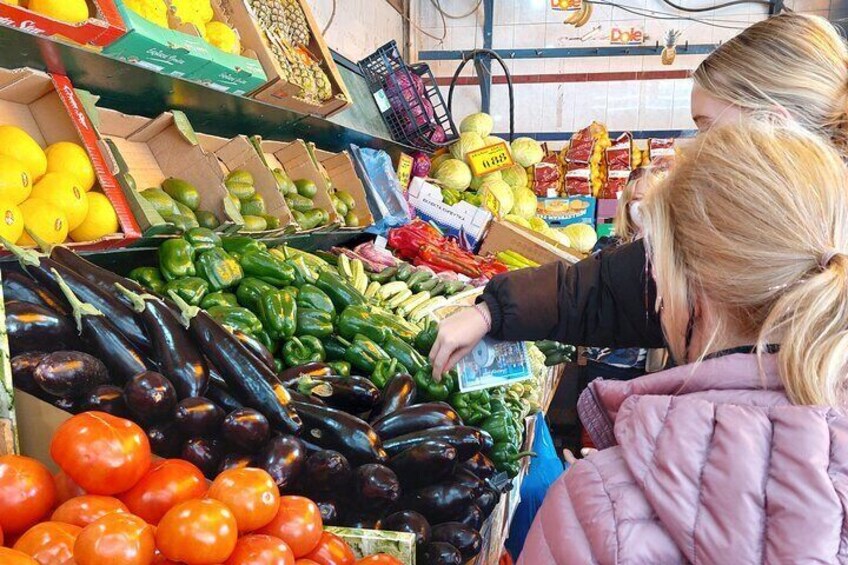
x=409 y=99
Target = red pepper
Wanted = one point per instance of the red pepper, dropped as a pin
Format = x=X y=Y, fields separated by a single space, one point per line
x=441 y=260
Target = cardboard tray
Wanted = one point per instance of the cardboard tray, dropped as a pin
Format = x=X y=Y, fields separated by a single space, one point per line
x=342 y=174
x=503 y=236
x=102 y=29
x=48 y=109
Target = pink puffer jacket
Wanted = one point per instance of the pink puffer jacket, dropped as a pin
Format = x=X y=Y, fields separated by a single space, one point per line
x=700 y=464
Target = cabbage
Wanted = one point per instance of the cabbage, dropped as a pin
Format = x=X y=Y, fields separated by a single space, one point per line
x=525 y=202
x=453 y=174
x=497 y=198
x=515 y=176
x=518 y=220
x=559 y=237
x=539 y=225
x=583 y=237
x=477 y=182
x=479 y=123
x=437 y=161
x=420 y=164
x=494 y=140
x=527 y=151
x=466 y=143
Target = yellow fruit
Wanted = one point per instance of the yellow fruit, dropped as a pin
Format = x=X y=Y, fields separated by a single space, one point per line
x=100 y=221
x=17 y=144
x=155 y=11
x=70 y=158
x=15 y=182
x=63 y=191
x=223 y=37
x=11 y=221
x=45 y=220
x=70 y=11
x=12 y=3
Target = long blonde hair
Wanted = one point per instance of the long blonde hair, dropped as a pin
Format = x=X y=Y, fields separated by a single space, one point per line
x=754 y=218
x=794 y=62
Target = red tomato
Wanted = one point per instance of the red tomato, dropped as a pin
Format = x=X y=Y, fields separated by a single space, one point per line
x=305 y=561
x=250 y=493
x=115 y=539
x=258 y=549
x=27 y=493
x=165 y=485
x=66 y=489
x=49 y=542
x=12 y=557
x=197 y=532
x=298 y=523
x=332 y=550
x=379 y=559
x=100 y=452
x=83 y=510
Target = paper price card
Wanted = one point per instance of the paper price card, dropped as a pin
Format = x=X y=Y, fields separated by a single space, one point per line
x=404 y=170
x=489 y=159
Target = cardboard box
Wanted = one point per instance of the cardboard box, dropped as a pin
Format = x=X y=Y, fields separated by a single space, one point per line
x=239 y=153
x=560 y=212
x=102 y=28
x=8 y=425
x=400 y=545
x=503 y=236
x=605 y=229
x=342 y=175
x=461 y=218
x=607 y=208
x=48 y=109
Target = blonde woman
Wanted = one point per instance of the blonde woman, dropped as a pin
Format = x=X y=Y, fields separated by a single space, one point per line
x=792 y=65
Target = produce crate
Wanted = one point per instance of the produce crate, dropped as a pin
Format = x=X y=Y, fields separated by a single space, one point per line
x=104 y=27
x=409 y=99
x=342 y=174
x=239 y=153
x=400 y=545
x=8 y=427
x=505 y=236
x=48 y=109
x=277 y=90
x=461 y=220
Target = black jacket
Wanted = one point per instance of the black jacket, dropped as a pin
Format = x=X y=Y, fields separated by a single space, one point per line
x=606 y=300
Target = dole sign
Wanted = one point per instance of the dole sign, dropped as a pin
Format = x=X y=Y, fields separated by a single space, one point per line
x=632 y=36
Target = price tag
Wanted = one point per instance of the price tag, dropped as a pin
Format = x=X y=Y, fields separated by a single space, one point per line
x=489 y=159
x=404 y=170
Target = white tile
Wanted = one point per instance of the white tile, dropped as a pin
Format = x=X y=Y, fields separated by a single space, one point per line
x=591 y=64
x=656 y=104
x=625 y=64
x=502 y=36
x=466 y=37
x=505 y=12
x=531 y=11
x=427 y=14
x=528 y=66
x=590 y=103
x=623 y=105
x=558 y=107
x=560 y=66
x=530 y=36
x=528 y=107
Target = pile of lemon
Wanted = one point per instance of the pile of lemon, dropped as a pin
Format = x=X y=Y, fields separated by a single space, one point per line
x=70 y=11
x=47 y=192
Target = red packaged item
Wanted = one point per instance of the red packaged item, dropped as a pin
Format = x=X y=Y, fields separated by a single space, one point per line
x=661 y=152
x=619 y=165
x=581 y=147
x=546 y=177
x=578 y=180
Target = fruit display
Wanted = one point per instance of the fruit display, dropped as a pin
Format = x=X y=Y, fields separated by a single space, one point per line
x=178 y=202
x=300 y=196
x=69 y=11
x=242 y=193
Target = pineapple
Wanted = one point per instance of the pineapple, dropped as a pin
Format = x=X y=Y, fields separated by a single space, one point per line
x=669 y=52
x=295 y=23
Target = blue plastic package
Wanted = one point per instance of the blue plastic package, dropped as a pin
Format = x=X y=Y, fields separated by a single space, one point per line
x=384 y=193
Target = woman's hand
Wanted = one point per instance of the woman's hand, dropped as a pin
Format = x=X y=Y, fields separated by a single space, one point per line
x=458 y=334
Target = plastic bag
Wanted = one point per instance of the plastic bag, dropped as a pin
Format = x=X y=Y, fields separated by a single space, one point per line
x=384 y=192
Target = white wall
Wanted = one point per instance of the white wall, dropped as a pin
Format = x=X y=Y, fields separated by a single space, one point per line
x=360 y=26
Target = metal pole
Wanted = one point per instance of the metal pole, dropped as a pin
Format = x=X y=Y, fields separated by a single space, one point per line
x=483 y=62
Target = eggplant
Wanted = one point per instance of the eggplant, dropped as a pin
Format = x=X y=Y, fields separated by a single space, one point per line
x=487 y=501
x=329 y=512
x=327 y=471
x=399 y=393
x=362 y=522
x=17 y=286
x=32 y=327
x=246 y=429
x=439 y=503
x=424 y=463
x=472 y=517
x=411 y=522
x=377 y=486
x=308 y=370
x=205 y=454
x=416 y=418
x=179 y=359
x=439 y=553
x=467 y=440
x=23 y=367
x=150 y=397
x=70 y=373
x=218 y=393
x=284 y=458
x=480 y=465
x=107 y=398
x=165 y=440
x=351 y=394
x=235 y=461
x=256 y=347
x=300 y=397
x=247 y=377
x=333 y=429
x=68 y=404
x=465 y=539
x=469 y=479
x=198 y=417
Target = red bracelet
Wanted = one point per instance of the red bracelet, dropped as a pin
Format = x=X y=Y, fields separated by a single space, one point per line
x=484 y=313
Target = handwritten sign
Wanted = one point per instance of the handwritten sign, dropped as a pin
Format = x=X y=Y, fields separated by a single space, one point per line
x=489 y=159
x=404 y=170
x=632 y=36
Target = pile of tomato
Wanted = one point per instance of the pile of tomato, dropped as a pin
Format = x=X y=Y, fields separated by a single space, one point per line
x=113 y=504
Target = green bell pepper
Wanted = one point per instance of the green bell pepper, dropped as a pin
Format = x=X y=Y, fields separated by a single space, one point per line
x=176 y=259
x=240 y=245
x=314 y=322
x=384 y=371
x=340 y=291
x=202 y=238
x=404 y=353
x=148 y=277
x=190 y=289
x=429 y=388
x=310 y=296
x=396 y=325
x=472 y=407
x=359 y=320
x=278 y=313
x=500 y=427
x=341 y=368
x=219 y=299
x=426 y=338
x=559 y=357
x=219 y=269
x=250 y=290
x=303 y=273
x=335 y=348
x=364 y=354
x=237 y=318
x=279 y=366
x=302 y=350
x=266 y=267
x=266 y=340
x=506 y=458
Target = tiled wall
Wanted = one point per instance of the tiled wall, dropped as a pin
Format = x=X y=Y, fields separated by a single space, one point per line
x=360 y=26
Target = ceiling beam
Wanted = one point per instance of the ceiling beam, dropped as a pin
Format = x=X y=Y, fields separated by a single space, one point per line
x=397 y=5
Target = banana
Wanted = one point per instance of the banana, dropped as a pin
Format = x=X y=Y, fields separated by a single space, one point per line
x=586 y=16
x=575 y=16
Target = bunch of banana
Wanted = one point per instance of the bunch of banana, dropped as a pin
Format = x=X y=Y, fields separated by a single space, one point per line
x=580 y=17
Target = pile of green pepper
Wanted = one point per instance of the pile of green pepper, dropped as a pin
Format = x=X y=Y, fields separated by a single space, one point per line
x=507 y=433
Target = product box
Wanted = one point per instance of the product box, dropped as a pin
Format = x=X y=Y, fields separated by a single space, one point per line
x=49 y=110
x=461 y=219
x=506 y=236
x=239 y=153
x=102 y=28
x=342 y=174
x=605 y=229
x=607 y=208
x=400 y=545
x=561 y=212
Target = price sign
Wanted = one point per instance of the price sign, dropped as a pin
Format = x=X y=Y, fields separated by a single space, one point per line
x=404 y=170
x=489 y=159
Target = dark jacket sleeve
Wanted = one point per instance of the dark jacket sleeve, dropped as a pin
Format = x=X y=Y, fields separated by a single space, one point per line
x=606 y=300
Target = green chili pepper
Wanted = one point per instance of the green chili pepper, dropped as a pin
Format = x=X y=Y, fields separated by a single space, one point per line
x=314 y=322
x=336 y=348
x=278 y=313
x=384 y=276
x=148 y=277
x=341 y=368
x=426 y=338
x=506 y=458
x=237 y=318
x=250 y=290
x=358 y=320
x=472 y=198
x=450 y=196
x=404 y=353
x=340 y=292
x=190 y=289
x=202 y=238
x=430 y=389
x=364 y=354
x=219 y=269
x=176 y=259
x=303 y=350
x=472 y=407
x=384 y=371
x=267 y=267
x=310 y=296
x=219 y=299
x=240 y=245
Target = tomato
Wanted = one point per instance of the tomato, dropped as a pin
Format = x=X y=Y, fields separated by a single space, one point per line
x=66 y=489
x=166 y=484
x=83 y=510
x=115 y=539
x=27 y=493
x=298 y=523
x=49 y=542
x=332 y=550
x=250 y=493
x=305 y=561
x=100 y=452
x=258 y=549
x=197 y=532
x=12 y=557
x=379 y=559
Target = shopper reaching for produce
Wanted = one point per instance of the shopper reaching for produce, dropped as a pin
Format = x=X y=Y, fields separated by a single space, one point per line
x=608 y=300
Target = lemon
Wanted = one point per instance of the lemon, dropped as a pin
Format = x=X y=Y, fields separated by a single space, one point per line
x=11 y=221
x=70 y=158
x=223 y=37
x=70 y=11
x=43 y=219
x=63 y=191
x=15 y=182
x=100 y=221
x=17 y=144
